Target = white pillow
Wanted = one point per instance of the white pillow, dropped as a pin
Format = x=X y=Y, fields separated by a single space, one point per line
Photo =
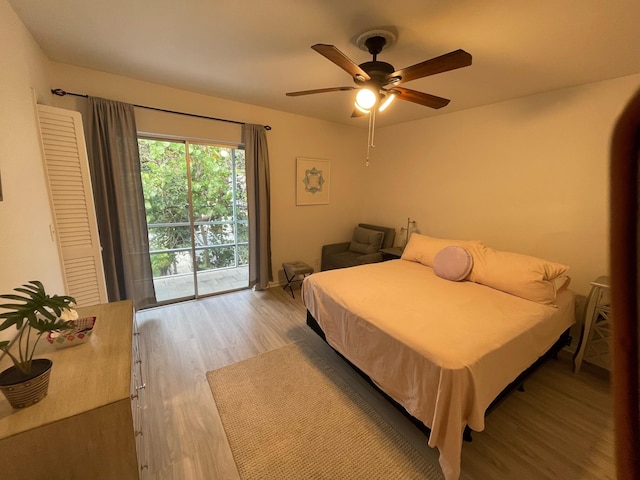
x=521 y=275
x=423 y=249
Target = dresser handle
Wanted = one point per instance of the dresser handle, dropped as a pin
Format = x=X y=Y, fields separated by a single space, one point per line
x=138 y=388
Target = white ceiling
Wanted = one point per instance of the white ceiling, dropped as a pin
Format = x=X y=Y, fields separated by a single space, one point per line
x=254 y=51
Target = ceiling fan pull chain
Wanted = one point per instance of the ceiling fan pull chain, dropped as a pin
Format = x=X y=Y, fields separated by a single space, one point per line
x=368 y=140
x=372 y=124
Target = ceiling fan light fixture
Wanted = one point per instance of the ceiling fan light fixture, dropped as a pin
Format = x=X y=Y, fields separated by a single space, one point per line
x=365 y=99
x=387 y=101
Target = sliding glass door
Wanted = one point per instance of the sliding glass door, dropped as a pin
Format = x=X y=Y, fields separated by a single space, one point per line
x=196 y=206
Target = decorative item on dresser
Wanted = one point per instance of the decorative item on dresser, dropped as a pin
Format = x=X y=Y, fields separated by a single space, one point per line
x=90 y=423
x=27 y=381
x=596 y=331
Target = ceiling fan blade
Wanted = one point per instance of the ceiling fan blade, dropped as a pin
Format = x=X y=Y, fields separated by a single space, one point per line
x=357 y=113
x=443 y=63
x=340 y=59
x=319 y=90
x=420 y=98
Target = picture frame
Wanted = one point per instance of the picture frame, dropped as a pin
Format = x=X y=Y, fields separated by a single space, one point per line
x=313 y=181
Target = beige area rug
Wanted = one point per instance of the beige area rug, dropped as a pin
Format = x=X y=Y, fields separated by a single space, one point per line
x=288 y=415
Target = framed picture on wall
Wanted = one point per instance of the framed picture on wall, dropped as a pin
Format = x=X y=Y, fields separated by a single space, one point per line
x=313 y=179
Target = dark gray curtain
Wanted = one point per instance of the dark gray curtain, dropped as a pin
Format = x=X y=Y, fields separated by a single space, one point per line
x=256 y=154
x=117 y=189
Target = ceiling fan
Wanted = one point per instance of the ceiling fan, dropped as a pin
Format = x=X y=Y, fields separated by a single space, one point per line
x=378 y=82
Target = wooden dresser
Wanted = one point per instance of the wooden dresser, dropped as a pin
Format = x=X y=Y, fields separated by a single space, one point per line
x=87 y=425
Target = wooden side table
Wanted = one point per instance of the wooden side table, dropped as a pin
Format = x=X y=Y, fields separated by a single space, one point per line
x=594 y=341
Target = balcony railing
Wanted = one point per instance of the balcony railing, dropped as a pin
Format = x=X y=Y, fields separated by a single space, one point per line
x=181 y=265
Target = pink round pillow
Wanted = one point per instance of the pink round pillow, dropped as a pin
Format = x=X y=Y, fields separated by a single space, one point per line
x=453 y=263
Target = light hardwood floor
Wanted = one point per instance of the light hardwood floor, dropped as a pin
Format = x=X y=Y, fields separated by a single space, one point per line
x=561 y=427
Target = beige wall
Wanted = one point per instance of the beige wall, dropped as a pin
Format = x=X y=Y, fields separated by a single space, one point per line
x=528 y=175
x=298 y=232
x=27 y=251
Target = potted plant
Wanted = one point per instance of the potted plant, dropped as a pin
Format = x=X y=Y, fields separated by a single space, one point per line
x=33 y=314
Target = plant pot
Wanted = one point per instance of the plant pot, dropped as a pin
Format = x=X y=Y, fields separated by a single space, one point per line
x=23 y=391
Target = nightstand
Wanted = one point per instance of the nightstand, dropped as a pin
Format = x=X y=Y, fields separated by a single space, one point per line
x=391 y=253
x=594 y=343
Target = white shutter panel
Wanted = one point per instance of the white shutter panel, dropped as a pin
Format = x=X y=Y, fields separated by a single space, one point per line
x=67 y=169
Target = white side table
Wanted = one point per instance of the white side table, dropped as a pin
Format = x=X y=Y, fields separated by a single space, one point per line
x=594 y=343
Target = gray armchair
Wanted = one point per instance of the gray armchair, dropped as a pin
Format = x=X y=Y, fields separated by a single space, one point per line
x=364 y=247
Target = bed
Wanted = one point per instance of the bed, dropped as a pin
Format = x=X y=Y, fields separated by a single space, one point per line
x=442 y=349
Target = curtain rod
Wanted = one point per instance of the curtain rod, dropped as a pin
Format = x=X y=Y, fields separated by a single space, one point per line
x=61 y=93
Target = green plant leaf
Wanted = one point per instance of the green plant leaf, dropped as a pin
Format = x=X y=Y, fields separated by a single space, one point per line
x=46 y=313
x=28 y=291
x=10 y=296
x=9 y=314
x=7 y=323
x=38 y=284
x=40 y=311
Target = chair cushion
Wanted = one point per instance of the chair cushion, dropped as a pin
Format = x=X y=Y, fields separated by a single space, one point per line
x=366 y=241
x=389 y=233
x=342 y=260
x=297 y=267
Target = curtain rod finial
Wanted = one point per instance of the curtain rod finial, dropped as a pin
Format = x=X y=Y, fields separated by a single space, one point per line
x=267 y=127
x=58 y=91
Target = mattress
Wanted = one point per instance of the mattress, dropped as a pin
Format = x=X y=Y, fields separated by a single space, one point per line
x=443 y=350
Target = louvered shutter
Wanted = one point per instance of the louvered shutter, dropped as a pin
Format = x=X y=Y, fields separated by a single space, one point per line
x=67 y=170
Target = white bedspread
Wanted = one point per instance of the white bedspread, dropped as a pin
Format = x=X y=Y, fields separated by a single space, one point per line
x=443 y=350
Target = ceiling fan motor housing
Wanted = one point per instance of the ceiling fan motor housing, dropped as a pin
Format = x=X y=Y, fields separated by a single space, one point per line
x=378 y=71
